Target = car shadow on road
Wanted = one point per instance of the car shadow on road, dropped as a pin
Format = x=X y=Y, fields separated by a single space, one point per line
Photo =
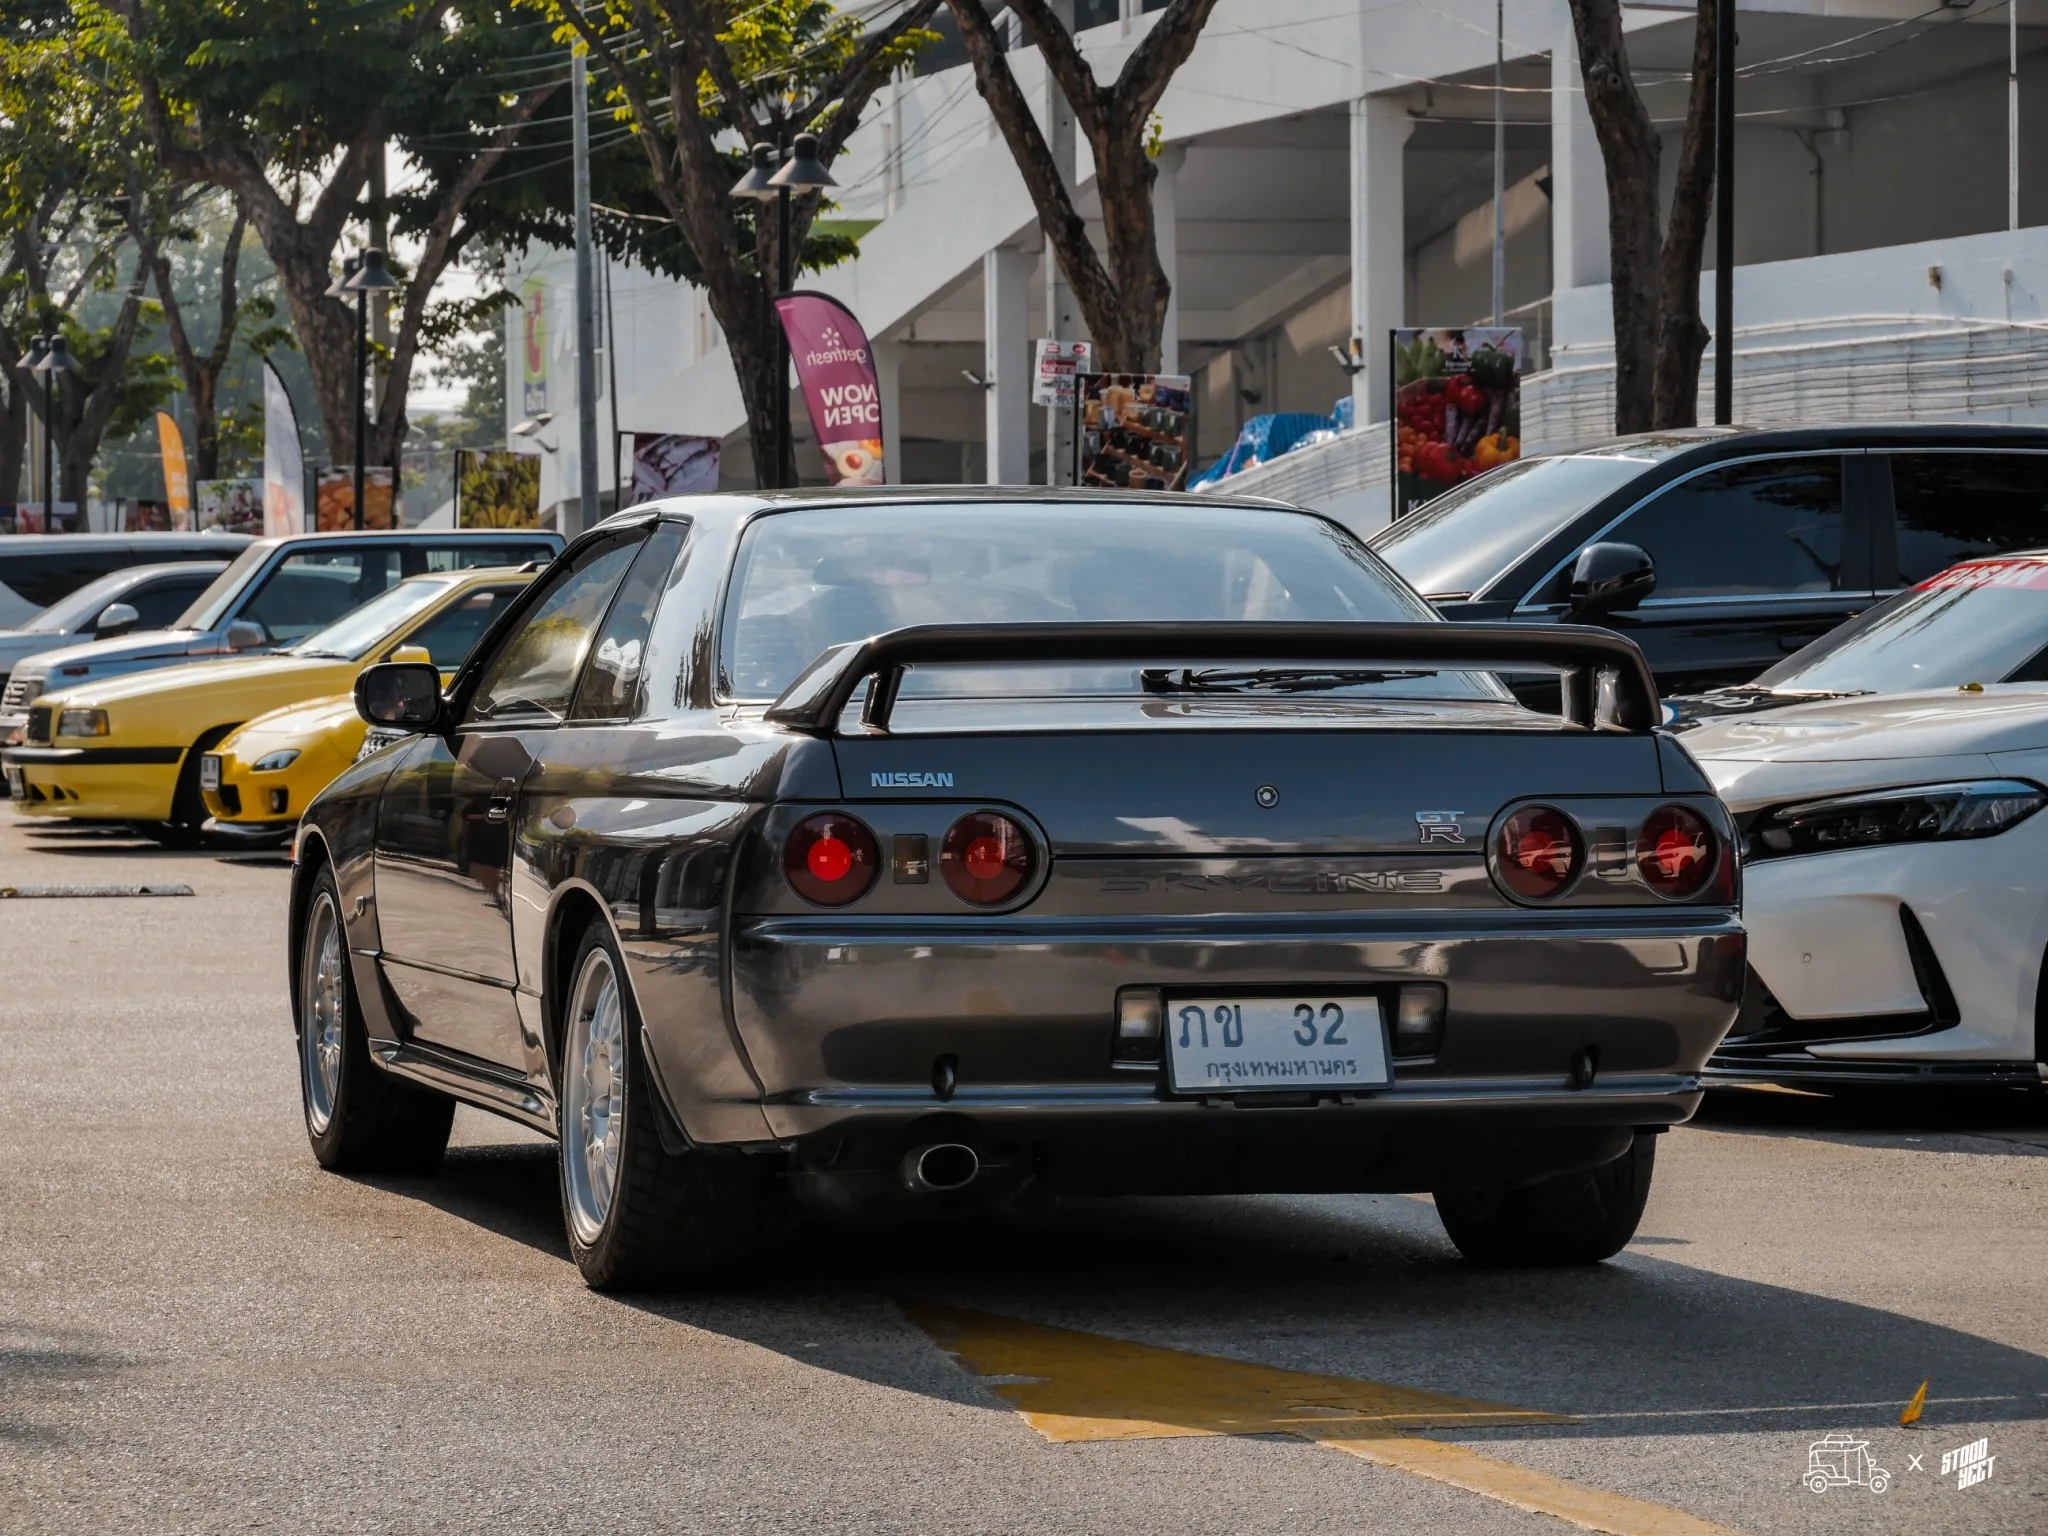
x=1360 y=1286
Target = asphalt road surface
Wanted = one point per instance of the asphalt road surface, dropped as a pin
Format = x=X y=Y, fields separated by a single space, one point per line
x=200 y=1330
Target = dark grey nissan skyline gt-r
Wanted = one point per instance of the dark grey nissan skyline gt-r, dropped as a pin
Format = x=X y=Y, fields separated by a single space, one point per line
x=911 y=849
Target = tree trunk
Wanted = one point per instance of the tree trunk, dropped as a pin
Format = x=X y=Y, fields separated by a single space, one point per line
x=1658 y=335
x=1123 y=300
x=13 y=418
x=202 y=371
x=86 y=406
x=1681 y=335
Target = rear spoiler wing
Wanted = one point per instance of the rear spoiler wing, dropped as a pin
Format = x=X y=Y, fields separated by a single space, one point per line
x=1607 y=684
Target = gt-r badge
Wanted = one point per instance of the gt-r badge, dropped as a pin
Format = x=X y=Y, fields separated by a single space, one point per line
x=910 y=781
x=1439 y=826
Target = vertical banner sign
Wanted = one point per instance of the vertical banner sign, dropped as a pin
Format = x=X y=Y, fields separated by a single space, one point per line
x=533 y=346
x=836 y=367
x=177 y=483
x=673 y=464
x=1055 y=366
x=1136 y=430
x=1457 y=408
x=284 y=462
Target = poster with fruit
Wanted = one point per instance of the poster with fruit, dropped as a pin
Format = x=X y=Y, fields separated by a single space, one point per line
x=1457 y=408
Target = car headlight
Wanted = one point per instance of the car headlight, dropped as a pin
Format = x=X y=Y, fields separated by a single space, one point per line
x=1919 y=813
x=81 y=722
x=274 y=762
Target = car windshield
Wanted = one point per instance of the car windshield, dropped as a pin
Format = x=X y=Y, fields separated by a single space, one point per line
x=361 y=629
x=805 y=581
x=209 y=606
x=1466 y=537
x=1985 y=621
x=73 y=613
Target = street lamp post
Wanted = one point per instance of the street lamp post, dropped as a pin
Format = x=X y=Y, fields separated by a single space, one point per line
x=363 y=275
x=52 y=361
x=757 y=187
x=802 y=171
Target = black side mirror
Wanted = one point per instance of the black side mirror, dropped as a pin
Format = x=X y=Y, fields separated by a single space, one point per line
x=115 y=619
x=1611 y=578
x=402 y=695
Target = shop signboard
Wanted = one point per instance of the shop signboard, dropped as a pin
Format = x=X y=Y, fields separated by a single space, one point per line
x=1457 y=408
x=673 y=464
x=1137 y=430
x=334 y=499
x=233 y=506
x=1055 y=365
x=496 y=490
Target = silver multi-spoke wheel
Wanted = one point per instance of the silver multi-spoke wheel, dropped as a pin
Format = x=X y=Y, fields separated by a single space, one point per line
x=323 y=1014
x=593 y=1094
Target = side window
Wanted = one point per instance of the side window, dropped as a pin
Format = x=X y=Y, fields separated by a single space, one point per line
x=610 y=689
x=309 y=591
x=1748 y=529
x=452 y=634
x=160 y=602
x=472 y=555
x=1951 y=506
x=534 y=671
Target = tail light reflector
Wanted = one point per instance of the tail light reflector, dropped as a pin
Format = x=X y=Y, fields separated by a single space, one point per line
x=1538 y=853
x=1677 y=852
x=830 y=859
x=986 y=858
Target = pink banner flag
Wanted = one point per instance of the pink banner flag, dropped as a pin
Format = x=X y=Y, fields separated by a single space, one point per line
x=836 y=367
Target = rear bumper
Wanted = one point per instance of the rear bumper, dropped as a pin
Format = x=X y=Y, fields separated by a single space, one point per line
x=844 y=1022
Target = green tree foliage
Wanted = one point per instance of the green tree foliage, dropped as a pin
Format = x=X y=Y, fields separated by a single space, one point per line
x=685 y=78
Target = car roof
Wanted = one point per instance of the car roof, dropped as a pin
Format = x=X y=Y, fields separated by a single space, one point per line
x=739 y=505
x=55 y=543
x=1975 y=434
x=416 y=536
x=470 y=576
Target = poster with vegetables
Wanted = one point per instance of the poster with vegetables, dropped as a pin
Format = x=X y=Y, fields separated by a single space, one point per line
x=1457 y=408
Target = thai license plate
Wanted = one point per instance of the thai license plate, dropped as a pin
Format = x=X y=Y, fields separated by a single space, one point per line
x=209 y=771
x=1234 y=1044
x=17 y=789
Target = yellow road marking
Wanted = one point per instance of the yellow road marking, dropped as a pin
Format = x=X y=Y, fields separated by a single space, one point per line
x=1073 y=1386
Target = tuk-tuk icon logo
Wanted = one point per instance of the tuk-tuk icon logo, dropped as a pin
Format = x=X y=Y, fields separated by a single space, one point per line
x=1843 y=1461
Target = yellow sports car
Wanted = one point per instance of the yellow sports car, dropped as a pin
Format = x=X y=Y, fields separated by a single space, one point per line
x=260 y=777
x=131 y=749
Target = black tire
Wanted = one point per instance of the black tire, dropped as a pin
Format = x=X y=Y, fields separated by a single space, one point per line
x=363 y=1120
x=668 y=1219
x=185 y=827
x=1568 y=1218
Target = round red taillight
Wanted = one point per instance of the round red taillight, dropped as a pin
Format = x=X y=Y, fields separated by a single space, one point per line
x=1676 y=851
x=986 y=858
x=1538 y=852
x=830 y=859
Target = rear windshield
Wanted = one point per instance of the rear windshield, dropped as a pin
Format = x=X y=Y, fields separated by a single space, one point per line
x=1982 y=622
x=805 y=581
x=1466 y=537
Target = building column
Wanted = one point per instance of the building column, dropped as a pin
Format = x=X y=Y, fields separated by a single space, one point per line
x=1006 y=352
x=1578 y=176
x=1166 y=221
x=889 y=396
x=1379 y=279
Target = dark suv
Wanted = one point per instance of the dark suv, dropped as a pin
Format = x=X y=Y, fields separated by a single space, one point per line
x=1720 y=551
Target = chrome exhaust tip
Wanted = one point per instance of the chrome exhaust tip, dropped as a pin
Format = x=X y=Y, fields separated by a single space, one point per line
x=942 y=1166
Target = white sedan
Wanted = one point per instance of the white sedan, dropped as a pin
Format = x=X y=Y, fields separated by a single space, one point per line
x=1895 y=885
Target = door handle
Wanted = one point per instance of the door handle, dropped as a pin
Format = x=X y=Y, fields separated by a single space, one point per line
x=499 y=806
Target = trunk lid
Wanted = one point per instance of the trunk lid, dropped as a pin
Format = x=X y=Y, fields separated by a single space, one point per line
x=1240 y=776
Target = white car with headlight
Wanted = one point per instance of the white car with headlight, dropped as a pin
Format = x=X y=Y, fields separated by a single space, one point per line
x=1895 y=885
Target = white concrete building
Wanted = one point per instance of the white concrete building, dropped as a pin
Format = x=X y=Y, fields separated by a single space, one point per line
x=1328 y=174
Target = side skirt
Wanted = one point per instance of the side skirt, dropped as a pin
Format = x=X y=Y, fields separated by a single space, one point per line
x=481 y=1083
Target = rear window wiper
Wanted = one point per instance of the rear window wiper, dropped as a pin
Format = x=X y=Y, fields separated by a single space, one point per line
x=1267 y=679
